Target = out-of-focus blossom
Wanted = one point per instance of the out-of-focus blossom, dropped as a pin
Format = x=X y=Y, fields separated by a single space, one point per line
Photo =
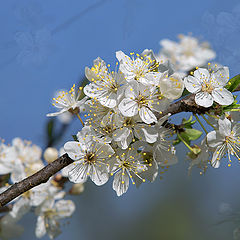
x=49 y=213
x=186 y=54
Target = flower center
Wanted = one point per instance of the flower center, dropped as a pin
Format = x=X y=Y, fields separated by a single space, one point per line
x=139 y=73
x=90 y=157
x=141 y=100
x=207 y=87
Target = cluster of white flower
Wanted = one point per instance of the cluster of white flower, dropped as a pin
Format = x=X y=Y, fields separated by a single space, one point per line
x=18 y=161
x=127 y=133
x=122 y=135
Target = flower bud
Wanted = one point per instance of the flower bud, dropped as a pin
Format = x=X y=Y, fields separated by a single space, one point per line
x=76 y=189
x=50 y=154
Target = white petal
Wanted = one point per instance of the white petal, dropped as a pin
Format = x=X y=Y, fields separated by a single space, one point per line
x=204 y=99
x=144 y=132
x=147 y=115
x=99 y=175
x=74 y=150
x=164 y=155
x=202 y=74
x=120 y=134
x=192 y=84
x=222 y=96
x=65 y=208
x=214 y=139
x=220 y=77
x=79 y=173
x=132 y=90
x=20 y=208
x=151 y=173
x=128 y=107
x=40 y=230
x=225 y=127
x=57 y=113
x=67 y=169
x=103 y=150
x=150 y=78
x=109 y=101
x=172 y=87
x=120 y=183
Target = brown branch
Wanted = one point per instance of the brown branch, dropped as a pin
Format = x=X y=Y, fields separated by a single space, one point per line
x=5 y=209
x=34 y=180
x=187 y=104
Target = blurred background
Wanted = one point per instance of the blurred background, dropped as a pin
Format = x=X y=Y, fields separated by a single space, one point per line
x=45 y=46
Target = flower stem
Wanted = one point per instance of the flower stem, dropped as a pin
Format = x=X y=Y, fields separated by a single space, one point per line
x=208 y=122
x=195 y=115
x=185 y=143
x=80 y=119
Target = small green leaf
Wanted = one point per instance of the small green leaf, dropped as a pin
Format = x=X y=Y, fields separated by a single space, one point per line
x=75 y=138
x=185 y=137
x=233 y=83
x=193 y=134
x=188 y=123
x=185 y=121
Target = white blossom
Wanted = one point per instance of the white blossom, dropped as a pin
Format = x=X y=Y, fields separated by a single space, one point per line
x=49 y=213
x=107 y=87
x=90 y=158
x=141 y=69
x=125 y=165
x=143 y=101
x=201 y=160
x=20 y=159
x=209 y=87
x=225 y=140
x=164 y=152
x=68 y=101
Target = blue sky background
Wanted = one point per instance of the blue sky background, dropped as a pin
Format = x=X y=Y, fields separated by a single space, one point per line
x=45 y=46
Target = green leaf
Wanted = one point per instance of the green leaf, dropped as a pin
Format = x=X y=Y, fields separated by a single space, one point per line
x=188 y=123
x=184 y=121
x=233 y=83
x=50 y=126
x=75 y=138
x=193 y=134
x=185 y=137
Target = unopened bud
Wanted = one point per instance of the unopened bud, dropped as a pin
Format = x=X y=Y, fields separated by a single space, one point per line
x=77 y=189
x=50 y=154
